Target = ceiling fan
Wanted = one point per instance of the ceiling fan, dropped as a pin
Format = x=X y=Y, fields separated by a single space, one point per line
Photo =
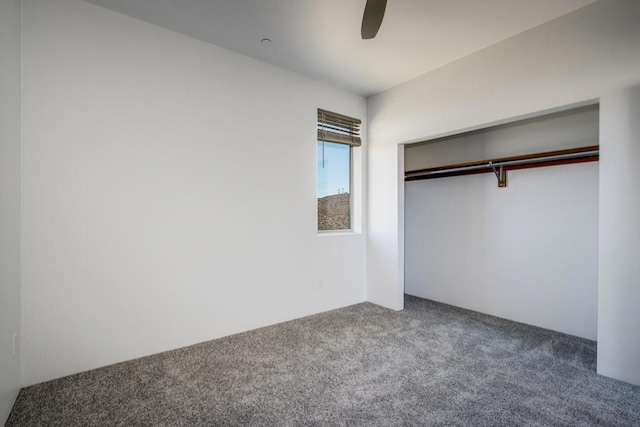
x=372 y=18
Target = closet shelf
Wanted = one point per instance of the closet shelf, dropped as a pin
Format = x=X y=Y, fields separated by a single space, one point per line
x=500 y=166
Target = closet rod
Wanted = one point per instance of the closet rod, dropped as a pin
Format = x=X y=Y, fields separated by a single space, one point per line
x=549 y=158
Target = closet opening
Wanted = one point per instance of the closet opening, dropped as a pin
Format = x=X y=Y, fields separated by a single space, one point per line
x=510 y=225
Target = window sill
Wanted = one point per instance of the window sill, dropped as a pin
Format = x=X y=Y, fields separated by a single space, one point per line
x=338 y=233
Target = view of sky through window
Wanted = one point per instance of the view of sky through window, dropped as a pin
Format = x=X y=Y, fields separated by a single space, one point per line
x=333 y=175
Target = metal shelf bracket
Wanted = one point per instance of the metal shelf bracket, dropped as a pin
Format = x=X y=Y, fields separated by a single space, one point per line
x=501 y=174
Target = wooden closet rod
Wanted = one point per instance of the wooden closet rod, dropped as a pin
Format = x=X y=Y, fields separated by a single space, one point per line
x=500 y=166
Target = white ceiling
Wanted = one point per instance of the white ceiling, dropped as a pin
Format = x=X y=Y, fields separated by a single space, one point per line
x=321 y=38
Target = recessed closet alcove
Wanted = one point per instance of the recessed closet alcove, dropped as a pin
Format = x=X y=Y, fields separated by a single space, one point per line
x=526 y=251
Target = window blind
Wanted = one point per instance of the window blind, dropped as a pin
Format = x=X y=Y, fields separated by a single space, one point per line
x=334 y=127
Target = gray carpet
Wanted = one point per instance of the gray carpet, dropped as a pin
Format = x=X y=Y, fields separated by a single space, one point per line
x=431 y=364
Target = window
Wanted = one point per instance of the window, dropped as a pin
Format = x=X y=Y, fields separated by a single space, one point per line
x=337 y=135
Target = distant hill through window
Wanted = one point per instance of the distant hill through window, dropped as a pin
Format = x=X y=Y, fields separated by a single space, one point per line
x=334 y=212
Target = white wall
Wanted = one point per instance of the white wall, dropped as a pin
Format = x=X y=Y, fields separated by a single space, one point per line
x=575 y=58
x=158 y=211
x=10 y=21
x=527 y=252
x=619 y=269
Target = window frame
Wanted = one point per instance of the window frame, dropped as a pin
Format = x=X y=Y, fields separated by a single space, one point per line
x=336 y=128
x=350 y=192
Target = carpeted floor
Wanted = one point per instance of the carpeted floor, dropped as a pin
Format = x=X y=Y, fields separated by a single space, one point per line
x=431 y=364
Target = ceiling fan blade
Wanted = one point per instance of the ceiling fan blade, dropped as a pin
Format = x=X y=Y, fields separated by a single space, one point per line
x=372 y=18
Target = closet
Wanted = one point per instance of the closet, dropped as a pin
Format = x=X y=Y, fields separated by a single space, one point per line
x=504 y=220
